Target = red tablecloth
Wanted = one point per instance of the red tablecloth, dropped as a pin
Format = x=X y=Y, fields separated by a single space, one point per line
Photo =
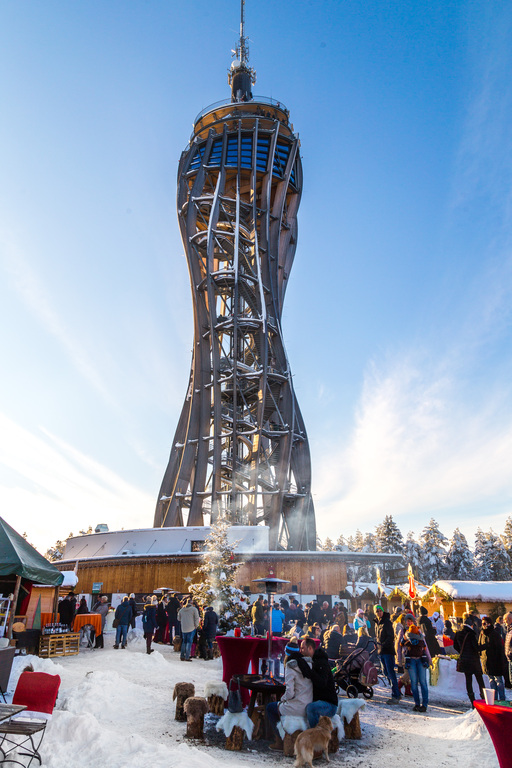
x=261 y=650
x=236 y=654
x=498 y=721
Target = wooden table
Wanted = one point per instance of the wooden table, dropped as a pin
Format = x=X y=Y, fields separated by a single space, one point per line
x=8 y=710
x=268 y=690
x=498 y=721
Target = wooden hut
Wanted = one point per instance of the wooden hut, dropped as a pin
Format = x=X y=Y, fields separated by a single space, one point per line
x=453 y=598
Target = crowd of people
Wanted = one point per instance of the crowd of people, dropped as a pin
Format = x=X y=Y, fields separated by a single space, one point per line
x=401 y=644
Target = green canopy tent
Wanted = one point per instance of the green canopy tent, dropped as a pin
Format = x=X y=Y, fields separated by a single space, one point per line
x=20 y=560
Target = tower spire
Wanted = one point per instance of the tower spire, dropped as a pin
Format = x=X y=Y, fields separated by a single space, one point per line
x=241 y=76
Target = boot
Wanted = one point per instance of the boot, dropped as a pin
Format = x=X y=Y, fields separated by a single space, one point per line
x=277 y=746
x=210 y=654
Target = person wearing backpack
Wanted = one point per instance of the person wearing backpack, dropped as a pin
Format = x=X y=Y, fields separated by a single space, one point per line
x=417 y=659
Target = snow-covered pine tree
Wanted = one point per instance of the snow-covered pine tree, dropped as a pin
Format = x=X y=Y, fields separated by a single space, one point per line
x=506 y=536
x=434 y=552
x=491 y=558
x=482 y=568
x=328 y=545
x=389 y=539
x=414 y=556
x=217 y=573
x=459 y=558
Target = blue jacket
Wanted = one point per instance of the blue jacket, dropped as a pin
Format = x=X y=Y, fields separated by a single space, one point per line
x=149 y=618
x=124 y=613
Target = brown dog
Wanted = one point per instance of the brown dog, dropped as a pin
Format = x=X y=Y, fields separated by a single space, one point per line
x=311 y=741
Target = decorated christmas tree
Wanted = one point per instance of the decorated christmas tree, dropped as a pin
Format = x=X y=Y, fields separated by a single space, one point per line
x=216 y=579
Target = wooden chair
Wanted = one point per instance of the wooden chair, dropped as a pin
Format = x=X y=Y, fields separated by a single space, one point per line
x=38 y=692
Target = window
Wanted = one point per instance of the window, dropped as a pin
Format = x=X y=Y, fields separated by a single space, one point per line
x=197 y=159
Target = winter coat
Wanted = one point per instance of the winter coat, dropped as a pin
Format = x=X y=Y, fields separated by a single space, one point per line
x=334 y=639
x=430 y=635
x=314 y=614
x=299 y=689
x=361 y=621
x=102 y=609
x=134 y=607
x=277 y=621
x=466 y=644
x=414 y=647
x=257 y=613
x=491 y=652
x=399 y=631
x=437 y=623
x=189 y=618
x=384 y=635
x=66 y=611
x=324 y=687
x=173 y=607
x=123 y=613
x=508 y=644
x=161 y=615
x=149 y=617
x=210 y=622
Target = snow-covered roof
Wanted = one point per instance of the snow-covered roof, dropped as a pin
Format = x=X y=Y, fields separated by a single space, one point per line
x=70 y=580
x=482 y=591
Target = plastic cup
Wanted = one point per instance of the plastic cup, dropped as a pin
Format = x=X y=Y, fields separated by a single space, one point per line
x=489 y=695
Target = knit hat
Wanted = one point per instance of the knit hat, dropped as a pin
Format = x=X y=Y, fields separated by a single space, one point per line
x=360 y=612
x=292 y=647
x=378 y=608
x=410 y=617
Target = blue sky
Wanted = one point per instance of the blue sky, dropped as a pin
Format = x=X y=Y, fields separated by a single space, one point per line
x=397 y=316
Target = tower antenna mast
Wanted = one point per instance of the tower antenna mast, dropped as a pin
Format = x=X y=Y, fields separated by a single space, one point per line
x=241 y=76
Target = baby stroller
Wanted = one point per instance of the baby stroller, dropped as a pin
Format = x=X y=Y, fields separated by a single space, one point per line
x=356 y=674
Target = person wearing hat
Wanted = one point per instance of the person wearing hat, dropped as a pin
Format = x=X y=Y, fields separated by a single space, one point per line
x=466 y=645
x=385 y=639
x=417 y=660
x=298 y=694
x=360 y=620
x=492 y=657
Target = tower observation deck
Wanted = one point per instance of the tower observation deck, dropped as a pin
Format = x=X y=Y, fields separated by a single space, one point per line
x=240 y=448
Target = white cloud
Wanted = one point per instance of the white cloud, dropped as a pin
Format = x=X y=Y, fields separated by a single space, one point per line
x=418 y=448
x=56 y=488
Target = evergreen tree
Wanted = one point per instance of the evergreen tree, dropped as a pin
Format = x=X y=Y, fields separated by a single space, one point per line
x=506 y=536
x=483 y=570
x=341 y=541
x=491 y=557
x=413 y=554
x=217 y=574
x=389 y=539
x=459 y=559
x=328 y=545
x=434 y=552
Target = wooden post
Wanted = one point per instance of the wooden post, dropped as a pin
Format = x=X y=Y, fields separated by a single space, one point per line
x=216 y=705
x=353 y=729
x=235 y=739
x=289 y=743
x=12 y=611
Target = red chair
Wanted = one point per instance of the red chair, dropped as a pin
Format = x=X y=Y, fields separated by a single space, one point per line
x=38 y=692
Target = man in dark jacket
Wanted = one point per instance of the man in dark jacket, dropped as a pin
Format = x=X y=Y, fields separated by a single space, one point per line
x=173 y=606
x=325 y=698
x=385 y=639
x=508 y=641
x=332 y=641
x=210 y=622
x=466 y=645
x=492 y=657
x=123 y=617
x=314 y=615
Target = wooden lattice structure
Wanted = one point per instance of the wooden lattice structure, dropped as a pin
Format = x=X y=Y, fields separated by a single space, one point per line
x=240 y=449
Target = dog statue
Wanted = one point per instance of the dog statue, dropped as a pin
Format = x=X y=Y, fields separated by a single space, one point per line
x=311 y=741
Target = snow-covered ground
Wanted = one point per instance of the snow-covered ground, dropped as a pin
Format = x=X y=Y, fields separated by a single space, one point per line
x=115 y=708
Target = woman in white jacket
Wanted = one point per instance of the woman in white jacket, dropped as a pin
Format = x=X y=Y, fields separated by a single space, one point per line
x=298 y=694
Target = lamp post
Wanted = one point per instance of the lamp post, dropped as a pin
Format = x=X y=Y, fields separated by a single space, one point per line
x=271 y=586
